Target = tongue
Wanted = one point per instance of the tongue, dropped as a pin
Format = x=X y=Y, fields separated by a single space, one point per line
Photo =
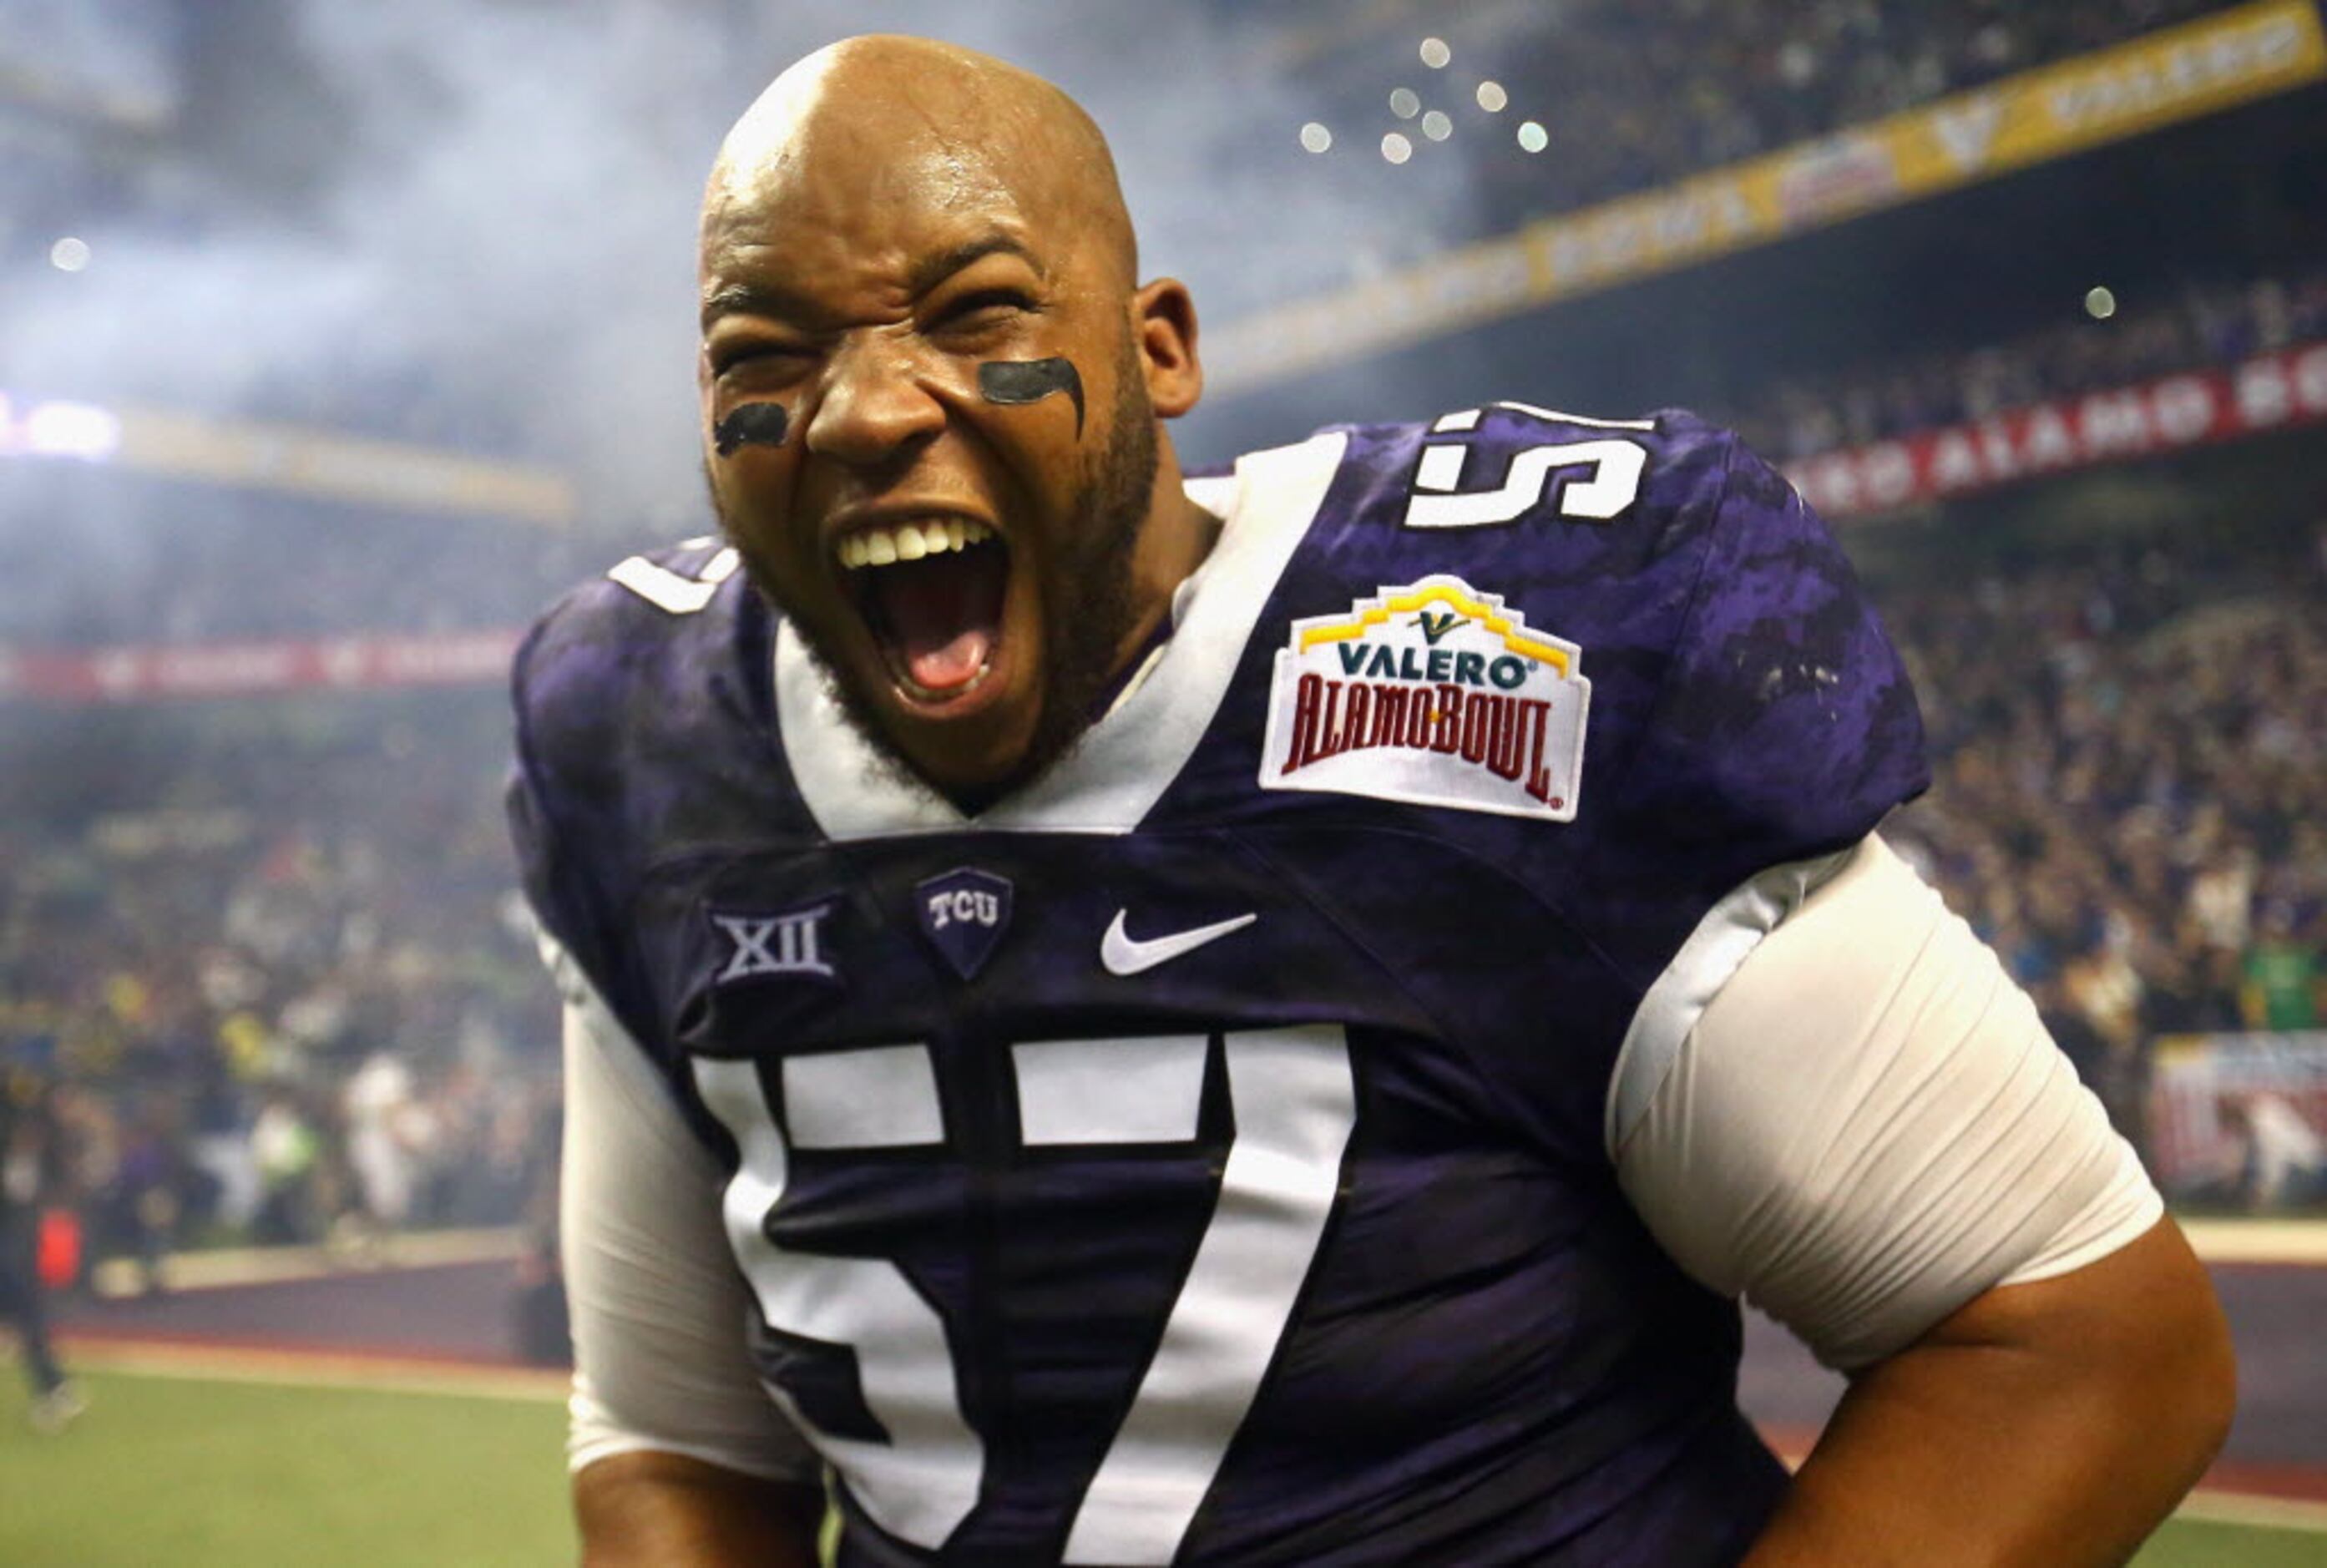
x=944 y=613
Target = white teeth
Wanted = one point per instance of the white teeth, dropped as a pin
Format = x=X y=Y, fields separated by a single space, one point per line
x=910 y=541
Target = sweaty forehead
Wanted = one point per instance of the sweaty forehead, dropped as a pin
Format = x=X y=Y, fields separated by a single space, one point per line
x=876 y=201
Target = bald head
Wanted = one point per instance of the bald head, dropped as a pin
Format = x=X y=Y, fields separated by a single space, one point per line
x=889 y=118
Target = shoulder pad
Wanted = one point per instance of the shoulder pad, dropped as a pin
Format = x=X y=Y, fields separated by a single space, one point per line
x=1482 y=467
x=618 y=689
x=652 y=619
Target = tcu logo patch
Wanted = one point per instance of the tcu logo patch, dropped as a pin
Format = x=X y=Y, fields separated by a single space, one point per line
x=791 y=943
x=964 y=913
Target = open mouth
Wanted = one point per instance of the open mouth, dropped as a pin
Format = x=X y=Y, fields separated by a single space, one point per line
x=931 y=590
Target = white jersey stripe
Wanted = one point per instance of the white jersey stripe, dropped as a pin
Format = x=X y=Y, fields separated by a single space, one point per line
x=1295 y=1104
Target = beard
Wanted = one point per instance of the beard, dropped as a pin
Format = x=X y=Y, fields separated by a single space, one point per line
x=1089 y=608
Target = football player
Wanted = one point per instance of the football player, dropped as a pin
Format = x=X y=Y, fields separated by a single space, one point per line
x=1124 y=1017
x=30 y=1162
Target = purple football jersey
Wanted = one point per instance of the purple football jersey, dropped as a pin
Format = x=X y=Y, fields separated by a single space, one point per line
x=1198 y=1157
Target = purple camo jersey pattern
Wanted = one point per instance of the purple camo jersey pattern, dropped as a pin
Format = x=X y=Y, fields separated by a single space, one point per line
x=1488 y=1359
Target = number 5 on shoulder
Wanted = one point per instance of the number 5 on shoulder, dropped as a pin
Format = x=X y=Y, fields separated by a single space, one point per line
x=1595 y=480
x=670 y=592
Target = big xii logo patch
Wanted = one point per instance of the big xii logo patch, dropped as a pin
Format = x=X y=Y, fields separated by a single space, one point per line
x=1434 y=693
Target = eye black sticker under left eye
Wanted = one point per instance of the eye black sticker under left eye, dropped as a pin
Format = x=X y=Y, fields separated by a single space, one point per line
x=753 y=425
x=1031 y=381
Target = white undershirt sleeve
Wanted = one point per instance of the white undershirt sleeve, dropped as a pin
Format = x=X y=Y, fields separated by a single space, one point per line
x=1836 y=1103
x=658 y=1308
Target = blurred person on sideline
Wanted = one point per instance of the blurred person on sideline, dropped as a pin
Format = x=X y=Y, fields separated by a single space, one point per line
x=386 y=1138
x=288 y=1150
x=30 y=1156
x=2283 y=982
x=2278 y=1159
x=1132 y=990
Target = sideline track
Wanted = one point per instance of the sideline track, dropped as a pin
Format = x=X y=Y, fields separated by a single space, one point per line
x=2292 y=1242
x=363 y=1370
x=226 y=1268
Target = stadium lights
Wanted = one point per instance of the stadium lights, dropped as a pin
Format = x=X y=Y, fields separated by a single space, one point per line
x=1533 y=136
x=2101 y=304
x=1315 y=137
x=1436 y=126
x=1436 y=54
x=70 y=254
x=1405 y=103
x=58 y=429
x=1396 y=148
x=1492 y=98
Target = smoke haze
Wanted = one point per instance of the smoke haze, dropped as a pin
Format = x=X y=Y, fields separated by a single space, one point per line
x=471 y=225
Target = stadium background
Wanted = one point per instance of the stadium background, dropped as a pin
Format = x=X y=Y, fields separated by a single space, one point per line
x=335 y=340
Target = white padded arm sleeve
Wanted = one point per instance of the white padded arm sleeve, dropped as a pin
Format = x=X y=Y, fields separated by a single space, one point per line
x=1836 y=1103
x=658 y=1309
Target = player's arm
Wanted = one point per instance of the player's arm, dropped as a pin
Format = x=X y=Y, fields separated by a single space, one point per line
x=645 y=1508
x=678 y=1458
x=1836 y=1103
x=2056 y=1421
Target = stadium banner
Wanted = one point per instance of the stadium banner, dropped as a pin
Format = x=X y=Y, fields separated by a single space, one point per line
x=228 y=670
x=2279 y=391
x=392 y=475
x=2178 y=74
x=2239 y=1121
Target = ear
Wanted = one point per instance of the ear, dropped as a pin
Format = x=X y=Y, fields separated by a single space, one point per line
x=1163 y=321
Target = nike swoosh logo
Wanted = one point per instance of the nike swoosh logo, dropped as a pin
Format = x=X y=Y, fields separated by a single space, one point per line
x=1121 y=954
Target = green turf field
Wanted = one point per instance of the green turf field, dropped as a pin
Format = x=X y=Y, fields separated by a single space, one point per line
x=2187 y=1544
x=171 y=1473
x=166 y=1472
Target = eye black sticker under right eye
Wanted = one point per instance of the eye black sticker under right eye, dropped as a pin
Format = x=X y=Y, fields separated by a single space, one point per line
x=1014 y=381
x=753 y=425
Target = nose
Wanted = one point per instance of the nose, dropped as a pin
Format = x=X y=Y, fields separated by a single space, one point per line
x=875 y=406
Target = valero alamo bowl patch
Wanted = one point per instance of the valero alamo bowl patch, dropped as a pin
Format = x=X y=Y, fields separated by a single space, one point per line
x=1434 y=693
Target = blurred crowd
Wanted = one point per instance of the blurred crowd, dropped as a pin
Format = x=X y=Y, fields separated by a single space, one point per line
x=1636 y=95
x=2207 y=325
x=287 y=997
x=254 y=563
x=2127 y=750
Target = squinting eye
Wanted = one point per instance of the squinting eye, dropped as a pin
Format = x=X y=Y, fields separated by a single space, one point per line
x=985 y=308
x=772 y=356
